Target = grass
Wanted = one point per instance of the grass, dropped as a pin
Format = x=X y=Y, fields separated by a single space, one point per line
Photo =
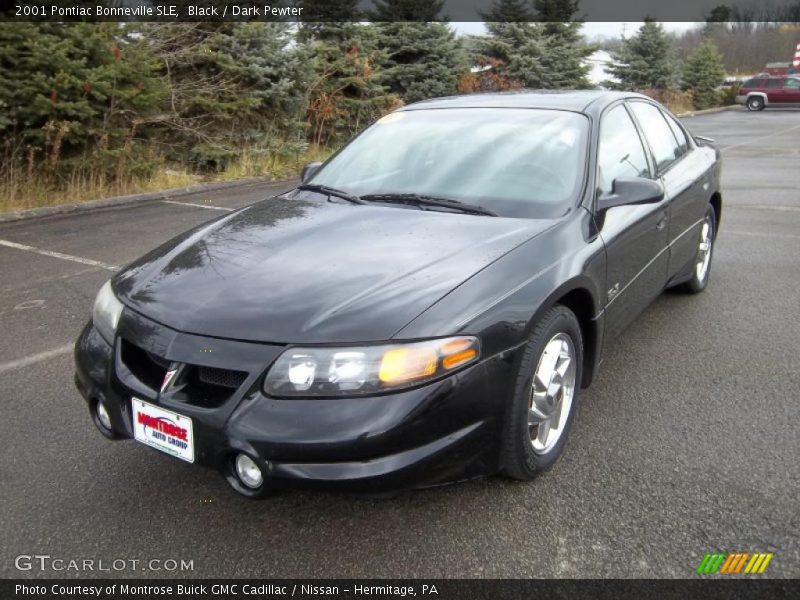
x=20 y=190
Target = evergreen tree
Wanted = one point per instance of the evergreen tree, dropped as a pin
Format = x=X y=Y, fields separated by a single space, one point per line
x=346 y=93
x=270 y=68
x=543 y=49
x=556 y=11
x=325 y=19
x=508 y=56
x=509 y=11
x=68 y=89
x=407 y=10
x=703 y=73
x=645 y=60
x=421 y=58
x=564 y=53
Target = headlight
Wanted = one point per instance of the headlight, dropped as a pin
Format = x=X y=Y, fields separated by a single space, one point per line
x=106 y=313
x=357 y=371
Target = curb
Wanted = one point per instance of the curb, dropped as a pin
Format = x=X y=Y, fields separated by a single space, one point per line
x=78 y=207
x=708 y=111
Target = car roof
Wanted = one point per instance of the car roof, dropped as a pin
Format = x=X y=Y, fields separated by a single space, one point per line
x=583 y=101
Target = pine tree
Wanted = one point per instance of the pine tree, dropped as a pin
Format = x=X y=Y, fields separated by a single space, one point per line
x=509 y=11
x=645 y=60
x=564 y=53
x=509 y=55
x=703 y=73
x=421 y=58
x=272 y=73
x=407 y=10
x=71 y=89
x=346 y=92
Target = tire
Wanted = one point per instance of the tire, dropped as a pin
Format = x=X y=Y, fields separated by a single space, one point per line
x=755 y=103
x=701 y=271
x=528 y=449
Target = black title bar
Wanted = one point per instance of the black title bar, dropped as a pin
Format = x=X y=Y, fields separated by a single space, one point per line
x=361 y=10
x=369 y=589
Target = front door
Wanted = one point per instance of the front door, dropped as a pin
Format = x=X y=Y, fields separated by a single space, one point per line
x=791 y=89
x=635 y=236
x=775 y=92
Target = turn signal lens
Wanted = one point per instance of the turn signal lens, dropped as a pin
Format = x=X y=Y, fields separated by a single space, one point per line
x=405 y=364
x=459 y=358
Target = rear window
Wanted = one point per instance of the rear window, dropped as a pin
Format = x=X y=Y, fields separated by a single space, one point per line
x=751 y=83
x=775 y=83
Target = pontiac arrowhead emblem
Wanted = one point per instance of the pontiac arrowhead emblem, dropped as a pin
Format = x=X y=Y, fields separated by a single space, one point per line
x=169 y=376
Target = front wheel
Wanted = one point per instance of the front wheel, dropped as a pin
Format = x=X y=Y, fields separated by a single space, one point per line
x=705 y=249
x=755 y=103
x=543 y=406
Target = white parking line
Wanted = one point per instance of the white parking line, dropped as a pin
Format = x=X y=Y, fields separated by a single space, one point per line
x=225 y=208
x=765 y=207
x=62 y=256
x=758 y=139
x=32 y=360
x=787 y=236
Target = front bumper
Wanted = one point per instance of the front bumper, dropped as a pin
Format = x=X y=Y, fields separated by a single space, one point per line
x=441 y=432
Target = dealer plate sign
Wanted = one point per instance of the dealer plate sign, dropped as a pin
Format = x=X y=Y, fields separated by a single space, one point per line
x=163 y=429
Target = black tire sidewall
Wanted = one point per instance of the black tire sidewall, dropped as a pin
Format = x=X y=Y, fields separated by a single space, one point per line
x=521 y=461
x=755 y=103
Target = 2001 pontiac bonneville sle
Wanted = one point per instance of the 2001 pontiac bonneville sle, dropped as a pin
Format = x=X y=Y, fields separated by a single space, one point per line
x=423 y=308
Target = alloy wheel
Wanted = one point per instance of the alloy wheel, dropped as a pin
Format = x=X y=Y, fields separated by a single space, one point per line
x=704 y=250
x=551 y=393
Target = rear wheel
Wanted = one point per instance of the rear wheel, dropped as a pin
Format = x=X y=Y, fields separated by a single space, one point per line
x=755 y=103
x=705 y=248
x=545 y=395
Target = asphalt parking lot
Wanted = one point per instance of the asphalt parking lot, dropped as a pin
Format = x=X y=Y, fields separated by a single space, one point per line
x=688 y=441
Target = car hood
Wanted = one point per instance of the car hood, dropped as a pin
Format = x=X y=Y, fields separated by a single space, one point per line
x=288 y=270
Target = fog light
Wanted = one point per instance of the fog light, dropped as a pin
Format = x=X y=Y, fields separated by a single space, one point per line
x=103 y=416
x=248 y=471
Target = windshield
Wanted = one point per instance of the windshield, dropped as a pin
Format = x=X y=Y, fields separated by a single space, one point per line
x=515 y=162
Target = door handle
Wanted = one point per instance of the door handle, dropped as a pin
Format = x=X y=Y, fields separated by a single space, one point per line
x=661 y=223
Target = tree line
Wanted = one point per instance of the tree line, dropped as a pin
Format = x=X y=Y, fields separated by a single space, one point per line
x=101 y=107
x=115 y=102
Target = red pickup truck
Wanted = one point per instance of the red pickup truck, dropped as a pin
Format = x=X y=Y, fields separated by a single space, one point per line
x=762 y=91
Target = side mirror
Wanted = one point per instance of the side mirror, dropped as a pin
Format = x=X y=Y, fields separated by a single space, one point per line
x=631 y=190
x=309 y=171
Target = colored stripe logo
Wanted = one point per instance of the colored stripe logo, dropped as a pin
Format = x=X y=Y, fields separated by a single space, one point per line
x=734 y=563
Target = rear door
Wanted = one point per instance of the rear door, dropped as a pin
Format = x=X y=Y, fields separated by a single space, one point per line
x=635 y=236
x=684 y=177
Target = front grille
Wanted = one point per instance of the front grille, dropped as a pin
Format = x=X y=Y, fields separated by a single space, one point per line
x=161 y=362
x=143 y=365
x=195 y=384
x=221 y=377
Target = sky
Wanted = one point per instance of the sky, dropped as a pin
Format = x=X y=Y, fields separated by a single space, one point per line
x=591 y=30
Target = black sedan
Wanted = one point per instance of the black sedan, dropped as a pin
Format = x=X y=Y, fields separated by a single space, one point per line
x=423 y=308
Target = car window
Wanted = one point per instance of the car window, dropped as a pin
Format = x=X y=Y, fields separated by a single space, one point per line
x=792 y=84
x=680 y=135
x=774 y=83
x=620 y=152
x=658 y=134
x=753 y=83
x=526 y=163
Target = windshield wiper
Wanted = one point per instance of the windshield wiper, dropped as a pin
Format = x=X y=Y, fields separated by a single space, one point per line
x=329 y=191
x=422 y=200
